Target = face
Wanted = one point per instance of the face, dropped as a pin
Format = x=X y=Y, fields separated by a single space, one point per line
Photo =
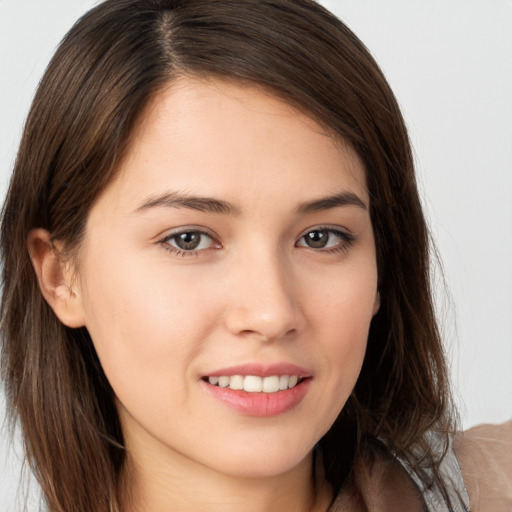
x=228 y=279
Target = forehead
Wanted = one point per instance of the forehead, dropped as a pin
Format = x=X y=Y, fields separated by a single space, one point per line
x=206 y=134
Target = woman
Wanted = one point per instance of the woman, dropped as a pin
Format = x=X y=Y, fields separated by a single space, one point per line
x=216 y=276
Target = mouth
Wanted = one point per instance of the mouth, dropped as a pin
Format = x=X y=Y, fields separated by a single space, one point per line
x=256 y=389
x=255 y=383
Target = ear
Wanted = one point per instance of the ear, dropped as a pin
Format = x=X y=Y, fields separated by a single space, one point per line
x=55 y=279
x=376 y=304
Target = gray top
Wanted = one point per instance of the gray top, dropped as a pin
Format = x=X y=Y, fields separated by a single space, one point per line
x=455 y=500
x=451 y=474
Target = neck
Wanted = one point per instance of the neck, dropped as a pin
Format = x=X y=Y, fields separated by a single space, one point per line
x=156 y=486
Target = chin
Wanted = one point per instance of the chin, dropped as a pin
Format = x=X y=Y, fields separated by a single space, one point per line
x=259 y=461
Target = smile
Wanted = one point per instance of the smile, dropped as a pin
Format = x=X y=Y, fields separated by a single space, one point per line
x=254 y=383
x=253 y=395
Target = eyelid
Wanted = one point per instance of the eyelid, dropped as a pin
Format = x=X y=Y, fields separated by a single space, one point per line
x=328 y=227
x=347 y=238
x=164 y=240
x=346 y=235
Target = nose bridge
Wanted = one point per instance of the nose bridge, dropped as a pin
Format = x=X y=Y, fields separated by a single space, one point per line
x=264 y=301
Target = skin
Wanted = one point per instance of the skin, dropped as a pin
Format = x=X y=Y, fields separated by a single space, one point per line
x=254 y=291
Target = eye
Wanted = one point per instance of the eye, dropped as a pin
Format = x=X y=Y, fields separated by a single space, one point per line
x=325 y=238
x=189 y=241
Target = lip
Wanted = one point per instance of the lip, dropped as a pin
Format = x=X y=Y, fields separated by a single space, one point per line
x=260 y=404
x=261 y=370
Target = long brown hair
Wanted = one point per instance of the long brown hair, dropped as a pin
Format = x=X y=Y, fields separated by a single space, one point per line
x=107 y=68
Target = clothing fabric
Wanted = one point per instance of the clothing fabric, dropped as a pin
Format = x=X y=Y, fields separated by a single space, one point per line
x=449 y=469
x=477 y=468
x=484 y=454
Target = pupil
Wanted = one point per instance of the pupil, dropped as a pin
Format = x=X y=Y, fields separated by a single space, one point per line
x=317 y=239
x=188 y=241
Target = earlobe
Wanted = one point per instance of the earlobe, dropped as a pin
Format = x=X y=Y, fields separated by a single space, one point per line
x=55 y=279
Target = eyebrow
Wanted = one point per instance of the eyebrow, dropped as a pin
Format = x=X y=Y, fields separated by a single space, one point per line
x=212 y=205
x=179 y=200
x=330 y=202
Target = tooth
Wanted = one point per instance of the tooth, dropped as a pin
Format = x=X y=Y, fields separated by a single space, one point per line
x=283 y=382
x=253 y=384
x=236 y=382
x=271 y=384
x=223 y=381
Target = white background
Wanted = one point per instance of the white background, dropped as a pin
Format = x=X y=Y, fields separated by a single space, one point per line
x=450 y=65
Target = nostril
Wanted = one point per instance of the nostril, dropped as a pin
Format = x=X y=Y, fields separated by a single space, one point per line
x=261 y=322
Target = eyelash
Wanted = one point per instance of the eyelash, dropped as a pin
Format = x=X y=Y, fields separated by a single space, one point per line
x=181 y=252
x=347 y=239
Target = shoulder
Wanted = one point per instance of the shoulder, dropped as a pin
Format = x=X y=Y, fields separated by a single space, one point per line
x=484 y=454
x=379 y=485
x=485 y=458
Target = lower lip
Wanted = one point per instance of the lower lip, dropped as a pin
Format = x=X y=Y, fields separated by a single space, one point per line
x=260 y=404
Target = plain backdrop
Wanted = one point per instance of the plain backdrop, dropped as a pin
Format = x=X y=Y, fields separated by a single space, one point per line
x=450 y=65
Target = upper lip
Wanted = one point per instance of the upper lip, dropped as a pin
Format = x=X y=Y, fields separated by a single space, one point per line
x=262 y=370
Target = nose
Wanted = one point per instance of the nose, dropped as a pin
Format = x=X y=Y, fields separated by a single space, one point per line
x=264 y=301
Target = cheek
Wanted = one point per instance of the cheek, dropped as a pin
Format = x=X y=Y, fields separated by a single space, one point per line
x=343 y=303
x=145 y=325
x=341 y=317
